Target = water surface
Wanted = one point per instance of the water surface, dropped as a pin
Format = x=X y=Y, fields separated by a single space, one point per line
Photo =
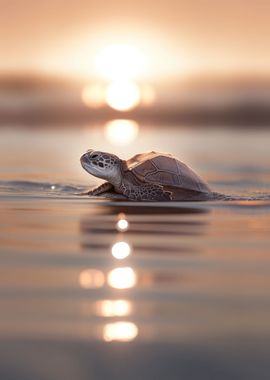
x=181 y=291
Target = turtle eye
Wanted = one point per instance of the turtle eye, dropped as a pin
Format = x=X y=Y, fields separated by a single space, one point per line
x=94 y=156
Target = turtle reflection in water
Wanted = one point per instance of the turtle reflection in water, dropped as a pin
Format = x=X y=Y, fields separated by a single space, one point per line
x=149 y=176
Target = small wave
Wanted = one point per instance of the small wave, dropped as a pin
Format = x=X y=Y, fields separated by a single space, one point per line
x=51 y=189
x=239 y=197
x=39 y=188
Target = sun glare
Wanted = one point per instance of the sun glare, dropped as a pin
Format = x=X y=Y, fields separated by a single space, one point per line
x=118 y=62
x=148 y=95
x=120 y=66
x=93 y=96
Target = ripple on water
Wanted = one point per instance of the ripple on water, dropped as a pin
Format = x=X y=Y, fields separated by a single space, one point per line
x=34 y=188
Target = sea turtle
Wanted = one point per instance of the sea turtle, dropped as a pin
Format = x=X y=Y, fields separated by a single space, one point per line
x=149 y=176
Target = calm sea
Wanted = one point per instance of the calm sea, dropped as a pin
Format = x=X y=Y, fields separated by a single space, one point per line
x=94 y=289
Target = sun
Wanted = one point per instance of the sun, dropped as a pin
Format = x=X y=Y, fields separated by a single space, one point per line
x=122 y=67
x=119 y=62
x=123 y=95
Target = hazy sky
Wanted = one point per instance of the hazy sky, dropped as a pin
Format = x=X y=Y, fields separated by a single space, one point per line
x=177 y=37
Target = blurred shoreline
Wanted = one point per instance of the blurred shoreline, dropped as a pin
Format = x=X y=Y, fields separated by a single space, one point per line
x=38 y=100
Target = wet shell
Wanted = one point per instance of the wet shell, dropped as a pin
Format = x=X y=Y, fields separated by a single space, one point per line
x=166 y=170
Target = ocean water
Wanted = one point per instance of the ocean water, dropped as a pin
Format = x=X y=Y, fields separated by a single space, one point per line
x=97 y=289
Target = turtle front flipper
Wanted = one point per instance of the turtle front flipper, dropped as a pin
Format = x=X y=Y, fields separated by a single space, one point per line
x=105 y=187
x=147 y=192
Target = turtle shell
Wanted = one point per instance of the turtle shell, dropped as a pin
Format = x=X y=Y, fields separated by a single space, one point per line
x=166 y=170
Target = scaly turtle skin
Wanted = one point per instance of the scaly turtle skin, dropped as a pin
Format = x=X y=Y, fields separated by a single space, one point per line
x=149 y=176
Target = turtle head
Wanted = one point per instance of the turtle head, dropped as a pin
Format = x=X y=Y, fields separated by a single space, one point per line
x=102 y=165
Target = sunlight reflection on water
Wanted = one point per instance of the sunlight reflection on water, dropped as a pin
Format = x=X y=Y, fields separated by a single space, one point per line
x=91 y=278
x=121 y=250
x=121 y=132
x=122 y=278
x=114 y=308
x=145 y=277
x=120 y=331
